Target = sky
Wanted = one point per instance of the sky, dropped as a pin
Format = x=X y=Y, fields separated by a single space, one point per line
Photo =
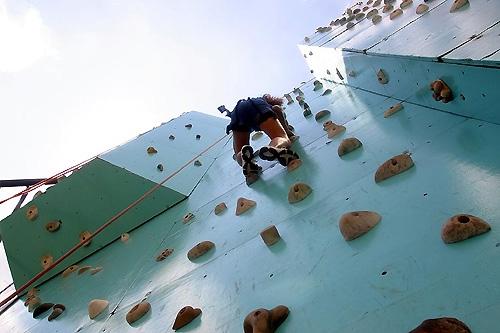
x=80 y=77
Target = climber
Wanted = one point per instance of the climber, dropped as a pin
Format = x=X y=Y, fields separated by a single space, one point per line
x=256 y=114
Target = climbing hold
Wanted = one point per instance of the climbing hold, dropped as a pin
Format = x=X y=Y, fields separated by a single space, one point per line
x=186 y=315
x=360 y=16
x=457 y=4
x=395 y=14
x=317 y=85
x=327 y=124
x=461 y=227
x=200 y=249
x=349 y=25
x=328 y=72
x=95 y=270
x=294 y=164
x=85 y=237
x=405 y=4
x=83 y=269
x=288 y=98
x=369 y=2
x=298 y=192
x=152 y=150
x=381 y=77
x=57 y=310
x=188 y=126
x=68 y=271
x=197 y=163
x=32 y=213
x=32 y=292
x=307 y=112
x=306 y=39
x=42 y=308
x=137 y=312
x=339 y=74
x=376 y=19
x=37 y=194
x=188 y=217
x=198 y=137
x=393 y=166
x=220 y=208
x=124 y=237
x=160 y=167
x=326 y=92
x=270 y=235
x=392 y=110
x=355 y=224
x=348 y=145
x=297 y=91
x=441 y=91
x=265 y=321
x=310 y=53
x=46 y=261
x=96 y=307
x=334 y=130
x=356 y=11
x=257 y=135
x=300 y=99
x=387 y=8
x=164 y=254
x=365 y=8
x=377 y=3
x=32 y=303
x=372 y=12
x=321 y=114
x=171 y=137
x=53 y=226
x=242 y=205
x=422 y=8
x=442 y=325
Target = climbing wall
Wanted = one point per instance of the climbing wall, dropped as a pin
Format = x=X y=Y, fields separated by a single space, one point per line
x=390 y=279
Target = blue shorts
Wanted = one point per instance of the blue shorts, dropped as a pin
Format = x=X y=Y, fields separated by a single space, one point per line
x=248 y=114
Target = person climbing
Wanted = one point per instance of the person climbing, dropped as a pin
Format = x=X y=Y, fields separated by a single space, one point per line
x=260 y=114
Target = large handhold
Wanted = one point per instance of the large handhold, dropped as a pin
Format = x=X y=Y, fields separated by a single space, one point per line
x=355 y=224
x=298 y=192
x=333 y=129
x=96 y=307
x=393 y=166
x=200 y=249
x=186 y=315
x=137 y=312
x=441 y=91
x=392 y=110
x=265 y=321
x=457 y=4
x=321 y=114
x=57 y=310
x=442 y=325
x=348 y=145
x=396 y=13
x=42 y=308
x=422 y=8
x=382 y=77
x=242 y=205
x=463 y=226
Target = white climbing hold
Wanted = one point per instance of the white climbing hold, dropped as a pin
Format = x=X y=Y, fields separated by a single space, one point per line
x=422 y=8
x=457 y=4
x=242 y=205
x=355 y=224
x=392 y=110
x=298 y=192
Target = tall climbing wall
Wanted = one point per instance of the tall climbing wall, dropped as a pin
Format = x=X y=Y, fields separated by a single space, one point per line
x=378 y=245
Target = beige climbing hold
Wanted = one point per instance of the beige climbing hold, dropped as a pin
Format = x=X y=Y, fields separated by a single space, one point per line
x=242 y=205
x=422 y=8
x=186 y=315
x=57 y=310
x=96 y=307
x=151 y=150
x=317 y=85
x=188 y=217
x=371 y=13
x=387 y=8
x=392 y=110
x=348 y=145
x=83 y=269
x=405 y=4
x=393 y=166
x=376 y=19
x=220 y=208
x=32 y=213
x=326 y=92
x=339 y=74
x=321 y=114
x=349 y=25
x=270 y=235
x=257 y=135
x=293 y=165
x=360 y=16
x=137 y=312
x=32 y=303
x=124 y=237
x=355 y=224
x=46 y=261
x=335 y=130
x=442 y=325
x=463 y=226
x=382 y=77
x=70 y=270
x=164 y=254
x=396 y=13
x=85 y=237
x=298 y=192
x=265 y=321
x=457 y=4
x=95 y=270
x=200 y=249
x=53 y=226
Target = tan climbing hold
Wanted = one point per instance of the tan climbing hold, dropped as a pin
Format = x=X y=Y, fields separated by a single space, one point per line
x=298 y=192
x=442 y=325
x=188 y=217
x=355 y=224
x=457 y=4
x=53 y=226
x=293 y=165
x=83 y=269
x=46 y=261
x=360 y=16
x=463 y=226
x=405 y=4
x=164 y=254
x=57 y=310
x=387 y=8
x=265 y=321
x=392 y=110
x=371 y=13
x=441 y=91
x=376 y=19
x=70 y=270
x=327 y=124
x=396 y=13
x=95 y=270
x=422 y=8
x=317 y=85
x=137 y=312
x=242 y=205
x=257 y=135
x=197 y=163
x=382 y=77
x=32 y=213
x=220 y=208
x=393 y=166
x=334 y=130
x=124 y=237
x=349 y=25
x=326 y=92
x=96 y=307
x=151 y=150
x=85 y=237
x=321 y=114
x=200 y=249
x=270 y=235
x=33 y=302
x=186 y=315
x=348 y=145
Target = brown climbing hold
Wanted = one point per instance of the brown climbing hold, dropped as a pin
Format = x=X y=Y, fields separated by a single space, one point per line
x=83 y=269
x=387 y=8
x=53 y=226
x=377 y=3
x=68 y=271
x=57 y=310
x=164 y=254
x=335 y=130
x=349 y=25
x=442 y=325
x=463 y=226
x=392 y=110
x=96 y=307
x=265 y=321
x=257 y=135
x=32 y=213
x=393 y=166
x=85 y=237
x=137 y=312
x=327 y=124
x=200 y=249
x=376 y=19
x=188 y=126
x=321 y=114
x=32 y=303
x=124 y=237
x=197 y=163
x=356 y=11
x=188 y=217
x=405 y=4
x=42 y=308
x=293 y=165
x=186 y=315
x=220 y=208
x=360 y=16
x=348 y=145
x=270 y=235
x=151 y=150
x=396 y=13
x=317 y=85
x=355 y=224
x=298 y=192
x=46 y=261
x=171 y=137
x=382 y=77
x=422 y=8
x=441 y=91
x=371 y=13
x=457 y=4
x=95 y=270
x=326 y=92
x=242 y=205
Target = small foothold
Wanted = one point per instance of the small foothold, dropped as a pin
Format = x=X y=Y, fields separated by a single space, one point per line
x=257 y=135
x=349 y=25
x=441 y=91
x=164 y=254
x=293 y=165
x=387 y=8
x=328 y=72
x=339 y=74
x=396 y=13
x=321 y=114
x=393 y=109
x=393 y=166
x=457 y=4
x=288 y=98
x=188 y=217
x=334 y=130
x=96 y=307
x=306 y=39
x=197 y=163
x=171 y=137
x=270 y=235
x=85 y=237
x=326 y=92
x=160 y=167
x=152 y=150
x=405 y=4
x=382 y=77
x=317 y=85
x=220 y=208
x=68 y=271
x=46 y=261
x=95 y=270
x=200 y=249
x=376 y=19
x=422 y=8
x=355 y=224
x=57 y=310
x=32 y=213
x=186 y=315
x=360 y=16
x=32 y=303
x=348 y=145
x=83 y=269
x=371 y=13
x=442 y=325
x=463 y=226
x=53 y=226
x=242 y=205
x=298 y=192
x=124 y=237
x=265 y=321
x=42 y=308
x=188 y=126
x=307 y=112
x=198 y=137
x=137 y=312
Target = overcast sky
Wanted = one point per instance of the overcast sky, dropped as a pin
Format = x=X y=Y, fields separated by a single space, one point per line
x=79 y=77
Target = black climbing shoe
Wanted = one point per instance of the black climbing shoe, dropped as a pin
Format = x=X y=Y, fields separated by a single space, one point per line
x=251 y=168
x=283 y=155
x=247 y=153
x=268 y=153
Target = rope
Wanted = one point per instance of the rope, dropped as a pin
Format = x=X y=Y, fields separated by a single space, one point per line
x=105 y=225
